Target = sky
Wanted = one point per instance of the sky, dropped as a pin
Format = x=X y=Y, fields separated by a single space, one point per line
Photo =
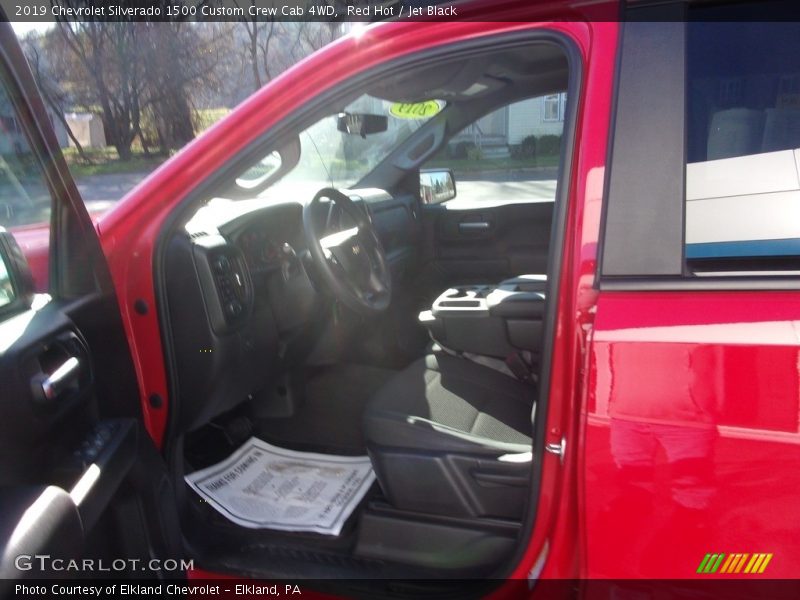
x=23 y=28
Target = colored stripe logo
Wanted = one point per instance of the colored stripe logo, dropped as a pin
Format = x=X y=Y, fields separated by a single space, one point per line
x=738 y=562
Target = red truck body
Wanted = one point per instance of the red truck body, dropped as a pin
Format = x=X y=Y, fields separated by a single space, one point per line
x=643 y=358
x=680 y=410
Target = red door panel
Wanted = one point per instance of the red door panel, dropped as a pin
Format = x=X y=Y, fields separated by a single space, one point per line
x=692 y=432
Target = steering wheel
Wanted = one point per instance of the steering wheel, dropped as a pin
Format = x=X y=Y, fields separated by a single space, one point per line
x=352 y=262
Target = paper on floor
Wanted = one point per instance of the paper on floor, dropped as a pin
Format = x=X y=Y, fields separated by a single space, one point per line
x=263 y=486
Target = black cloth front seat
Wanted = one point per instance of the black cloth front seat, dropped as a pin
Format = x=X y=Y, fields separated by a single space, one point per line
x=436 y=433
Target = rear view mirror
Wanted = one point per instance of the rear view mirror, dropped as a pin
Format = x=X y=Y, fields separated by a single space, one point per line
x=436 y=185
x=362 y=124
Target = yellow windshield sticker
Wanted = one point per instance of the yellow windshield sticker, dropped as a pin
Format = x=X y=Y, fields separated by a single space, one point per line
x=416 y=110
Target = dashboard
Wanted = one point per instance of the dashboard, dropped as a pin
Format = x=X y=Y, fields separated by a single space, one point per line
x=267 y=237
x=244 y=302
x=262 y=252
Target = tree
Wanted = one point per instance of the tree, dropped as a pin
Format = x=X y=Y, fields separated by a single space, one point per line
x=141 y=75
x=312 y=36
x=101 y=65
x=167 y=50
x=146 y=79
x=49 y=87
x=256 y=31
x=273 y=46
x=260 y=49
x=182 y=61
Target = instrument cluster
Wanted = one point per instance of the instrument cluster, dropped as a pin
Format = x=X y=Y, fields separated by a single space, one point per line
x=261 y=252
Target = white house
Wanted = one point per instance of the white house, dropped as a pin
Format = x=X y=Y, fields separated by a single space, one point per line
x=538 y=116
x=511 y=124
x=87 y=129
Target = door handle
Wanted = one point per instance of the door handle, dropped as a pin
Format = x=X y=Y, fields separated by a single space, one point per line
x=53 y=385
x=474 y=226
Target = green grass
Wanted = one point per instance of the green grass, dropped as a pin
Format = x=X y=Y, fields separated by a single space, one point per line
x=105 y=161
x=466 y=165
x=206 y=117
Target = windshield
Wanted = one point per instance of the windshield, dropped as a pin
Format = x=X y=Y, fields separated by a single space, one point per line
x=329 y=157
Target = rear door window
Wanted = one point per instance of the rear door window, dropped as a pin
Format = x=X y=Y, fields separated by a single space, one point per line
x=743 y=146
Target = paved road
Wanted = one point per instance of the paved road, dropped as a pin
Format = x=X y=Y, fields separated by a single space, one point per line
x=509 y=186
x=100 y=192
x=533 y=174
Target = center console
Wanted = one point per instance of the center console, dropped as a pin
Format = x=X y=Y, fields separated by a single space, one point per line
x=491 y=320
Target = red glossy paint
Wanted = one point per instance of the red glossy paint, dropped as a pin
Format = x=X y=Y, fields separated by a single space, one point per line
x=693 y=431
x=558 y=520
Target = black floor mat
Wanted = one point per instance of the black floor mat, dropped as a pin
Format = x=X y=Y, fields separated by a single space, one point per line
x=329 y=420
x=330 y=417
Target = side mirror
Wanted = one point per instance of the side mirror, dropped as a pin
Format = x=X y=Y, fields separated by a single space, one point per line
x=436 y=185
x=362 y=124
x=16 y=280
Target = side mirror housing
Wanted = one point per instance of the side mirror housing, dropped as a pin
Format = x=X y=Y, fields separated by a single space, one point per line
x=436 y=185
x=16 y=280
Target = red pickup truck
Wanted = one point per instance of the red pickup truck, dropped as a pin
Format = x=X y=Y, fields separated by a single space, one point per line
x=589 y=371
